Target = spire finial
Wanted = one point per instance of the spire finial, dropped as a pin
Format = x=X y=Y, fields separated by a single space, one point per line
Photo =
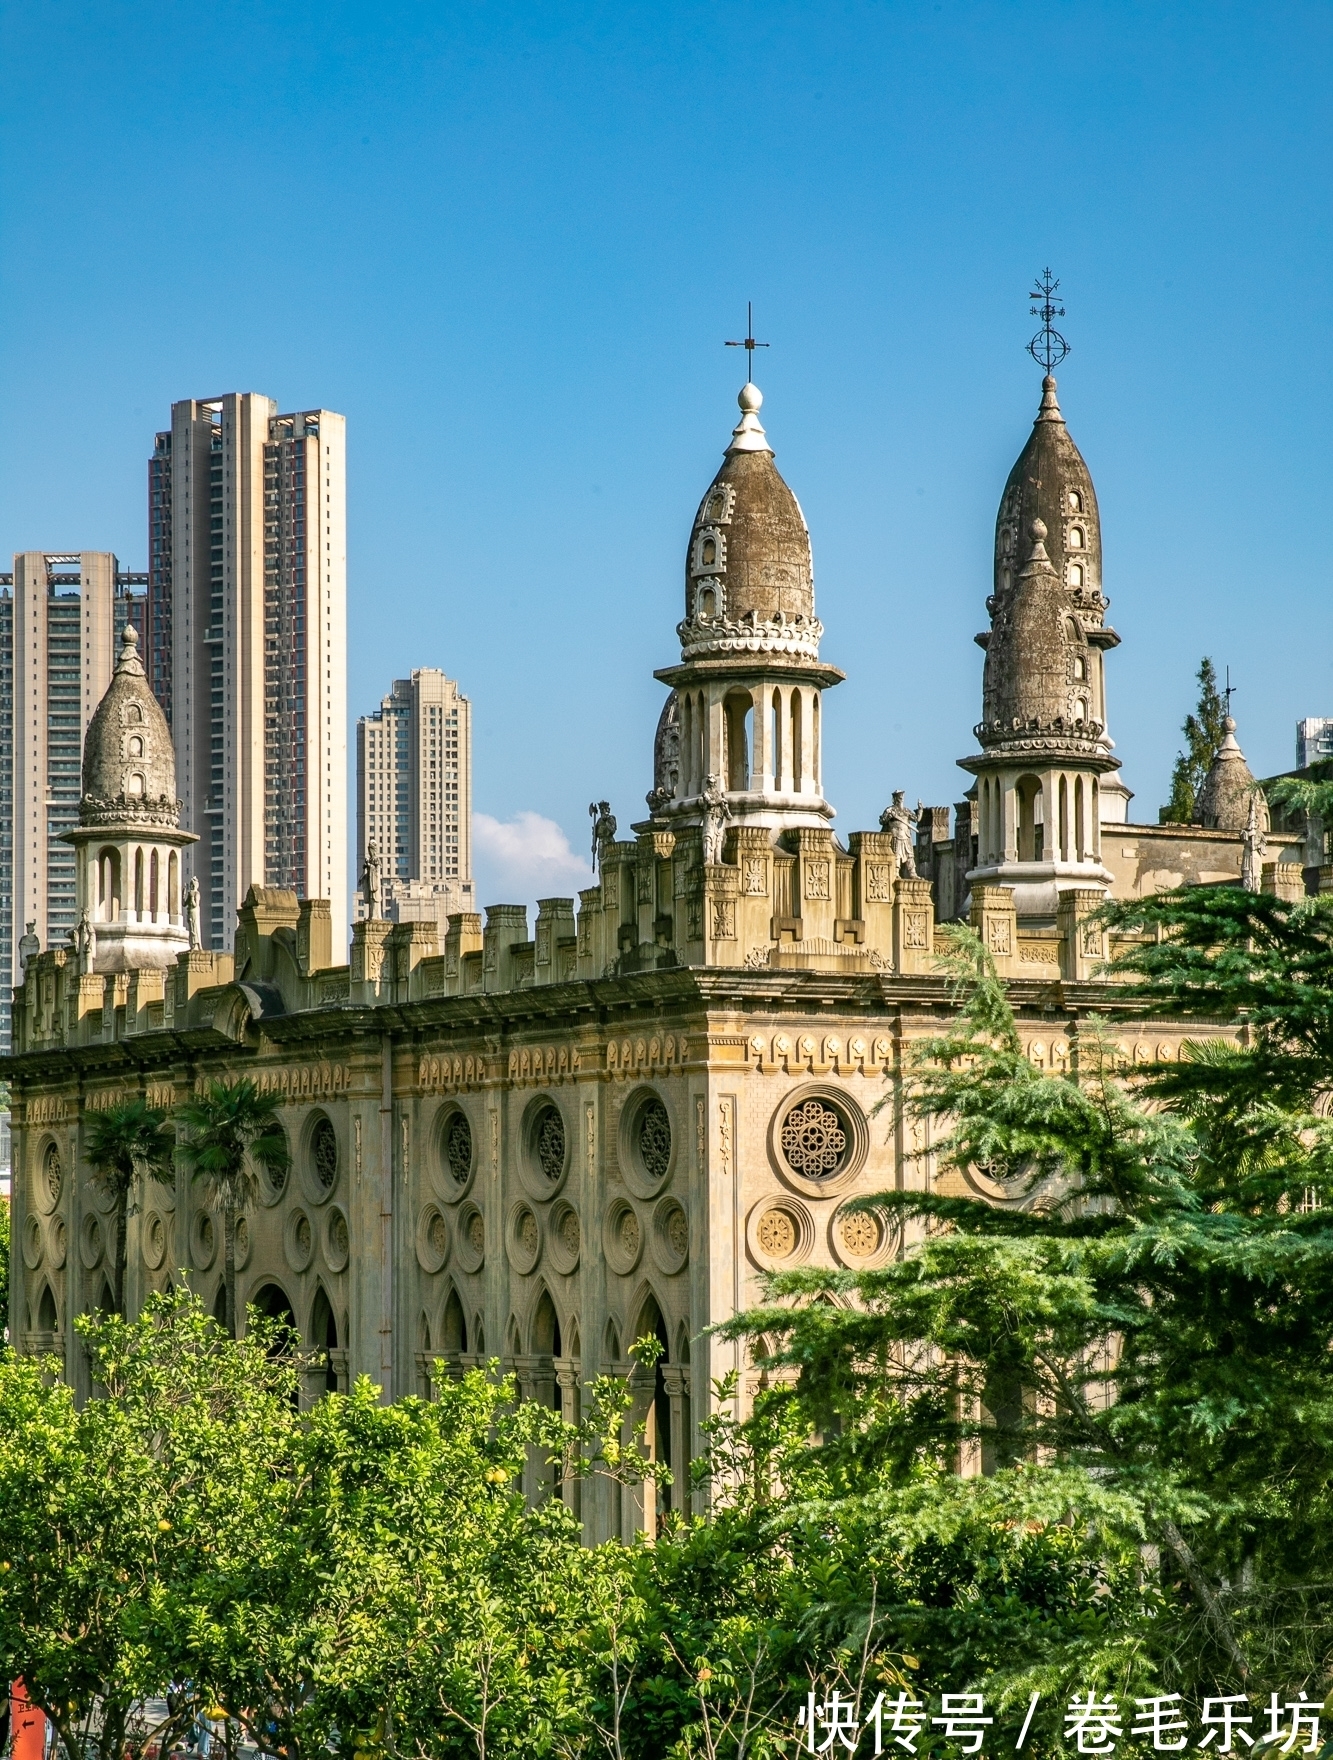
x=749 y=344
x=1048 y=348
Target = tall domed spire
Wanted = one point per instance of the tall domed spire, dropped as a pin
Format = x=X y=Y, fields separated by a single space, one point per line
x=1045 y=752
x=1043 y=650
x=744 y=719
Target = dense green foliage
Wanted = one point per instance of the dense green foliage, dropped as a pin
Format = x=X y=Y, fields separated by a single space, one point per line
x=4 y=1266
x=1204 y=732
x=231 y=1129
x=122 y=1144
x=1075 y=1438
x=1134 y=1343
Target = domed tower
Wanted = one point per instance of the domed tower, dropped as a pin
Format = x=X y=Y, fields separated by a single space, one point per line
x=128 y=890
x=1045 y=752
x=745 y=710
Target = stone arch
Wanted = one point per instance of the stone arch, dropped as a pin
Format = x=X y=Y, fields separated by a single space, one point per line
x=425 y=1362
x=478 y=1335
x=271 y=1300
x=611 y=1343
x=323 y=1334
x=48 y=1309
x=738 y=715
x=220 y=1302
x=453 y=1326
x=1031 y=819
x=513 y=1338
x=108 y=884
x=544 y=1327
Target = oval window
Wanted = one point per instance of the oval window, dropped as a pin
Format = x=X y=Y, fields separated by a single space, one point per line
x=324 y=1153
x=548 y=1142
x=458 y=1147
x=653 y=1138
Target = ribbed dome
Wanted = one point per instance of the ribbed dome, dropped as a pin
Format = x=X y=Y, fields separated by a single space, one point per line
x=1224 y=799
x=1047 y=609
x=749 y=553
x=129 y=767
x=1050 y=482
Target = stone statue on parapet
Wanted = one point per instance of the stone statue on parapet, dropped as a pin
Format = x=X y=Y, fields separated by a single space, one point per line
x=371 y=885
x=29 y=947
x=1253 y=845
x=83 y=943
x=901 y=827
x=717 y=810
x=603 y=830
x=192 y=913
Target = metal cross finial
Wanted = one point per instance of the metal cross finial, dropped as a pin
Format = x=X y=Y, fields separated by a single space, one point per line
x=749 y=344
x=1229 y=689
x=1048 y=348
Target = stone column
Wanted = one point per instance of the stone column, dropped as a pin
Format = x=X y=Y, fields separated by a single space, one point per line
x=677 y=1379
x=914 y=926
x=995 y=920
x=1082 y=939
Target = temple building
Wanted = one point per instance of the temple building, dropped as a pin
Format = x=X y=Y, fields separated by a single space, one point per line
x=541 y=1142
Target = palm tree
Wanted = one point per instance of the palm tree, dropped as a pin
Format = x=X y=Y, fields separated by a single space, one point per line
x=119 y=1144
x=231 y=1129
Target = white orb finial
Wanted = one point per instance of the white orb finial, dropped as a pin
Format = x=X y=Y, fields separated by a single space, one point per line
x=750 y=398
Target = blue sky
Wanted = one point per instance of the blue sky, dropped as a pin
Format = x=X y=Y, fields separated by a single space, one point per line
x=508 y=242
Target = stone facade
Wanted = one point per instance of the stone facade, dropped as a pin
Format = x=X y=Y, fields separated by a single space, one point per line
x=540 y=1144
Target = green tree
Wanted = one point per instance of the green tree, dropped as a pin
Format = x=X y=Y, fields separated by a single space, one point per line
x=231 y=1128
x=1140 y=1333
x=4 y=1267
x=121 y=1145
x=1204 y=732
x=118 y=1520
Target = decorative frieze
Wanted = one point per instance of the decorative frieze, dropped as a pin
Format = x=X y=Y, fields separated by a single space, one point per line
x=627 y=1056
x=447 y=1075
x=543 y=1063
x=307 y=1081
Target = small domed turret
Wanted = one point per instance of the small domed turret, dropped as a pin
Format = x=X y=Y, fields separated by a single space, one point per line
x=127 y=752
x=749 y=555
x=1228 y=790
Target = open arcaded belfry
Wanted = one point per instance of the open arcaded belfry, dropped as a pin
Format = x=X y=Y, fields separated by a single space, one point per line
x=540 y=1144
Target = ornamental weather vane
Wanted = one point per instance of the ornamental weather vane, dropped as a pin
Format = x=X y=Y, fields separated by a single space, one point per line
x=1048 y=348
x=749 y=344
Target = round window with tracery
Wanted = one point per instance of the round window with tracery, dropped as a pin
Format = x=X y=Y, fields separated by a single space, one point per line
x=548 y=1142
x=654 y=1139
x=324 y=1153
x=813 y=1140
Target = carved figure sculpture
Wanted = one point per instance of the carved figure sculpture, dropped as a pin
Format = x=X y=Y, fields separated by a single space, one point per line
x=901 y=827
x=192 y=913
x=370 y=881
x=29 y=947
x=1253 y=845
x=83 y=943
x=603 y=830
x=717 y=810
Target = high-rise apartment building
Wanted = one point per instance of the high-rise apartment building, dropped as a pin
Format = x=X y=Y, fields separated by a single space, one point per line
x=1314 y=740
x=61 y=616
x=414 y=794
x=247 y=649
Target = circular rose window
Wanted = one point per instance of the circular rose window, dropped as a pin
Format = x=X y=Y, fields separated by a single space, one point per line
x=814 y=1142
x=653 y=1134
x=548 y=1142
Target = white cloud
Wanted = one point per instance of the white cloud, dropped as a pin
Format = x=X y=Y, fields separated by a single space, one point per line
x=519 y=860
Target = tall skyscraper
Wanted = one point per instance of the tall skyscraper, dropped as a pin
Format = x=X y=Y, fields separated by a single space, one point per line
x=61 y=616
x=247 y=646
x=414 y=794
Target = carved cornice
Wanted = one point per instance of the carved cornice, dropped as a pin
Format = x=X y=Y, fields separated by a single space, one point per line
x=159 y=810
x=701 y=636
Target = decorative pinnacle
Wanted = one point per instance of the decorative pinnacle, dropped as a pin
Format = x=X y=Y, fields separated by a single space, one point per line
x=1048 y=348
